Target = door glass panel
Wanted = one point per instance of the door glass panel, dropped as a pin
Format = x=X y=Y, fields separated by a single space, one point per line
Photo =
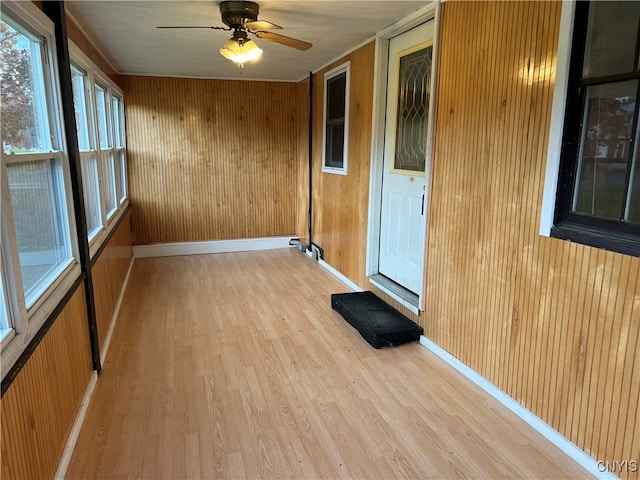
x=413 y=110
x=604 y=155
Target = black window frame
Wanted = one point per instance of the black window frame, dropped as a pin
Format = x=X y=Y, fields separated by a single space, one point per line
x=614 y=235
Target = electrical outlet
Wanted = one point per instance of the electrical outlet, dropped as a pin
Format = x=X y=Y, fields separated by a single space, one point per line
x=317 y=252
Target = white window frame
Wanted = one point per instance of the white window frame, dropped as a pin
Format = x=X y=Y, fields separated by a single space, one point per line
x=119 y=149
x=339 y=70
x=96 y=76
x=91 y=152
x=105 y=154
x=26 y=320
x=556 y=126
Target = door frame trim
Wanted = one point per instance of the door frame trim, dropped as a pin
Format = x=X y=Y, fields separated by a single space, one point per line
x=426 y=13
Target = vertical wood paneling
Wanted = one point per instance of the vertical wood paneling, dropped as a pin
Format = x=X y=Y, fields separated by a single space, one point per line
x=40 y=406
x=302 y=156
x=340 y=202
x=211 y=159
x=554 y=324
x=109 y=273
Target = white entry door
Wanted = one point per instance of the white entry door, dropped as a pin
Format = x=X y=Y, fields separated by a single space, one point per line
x=406 y=154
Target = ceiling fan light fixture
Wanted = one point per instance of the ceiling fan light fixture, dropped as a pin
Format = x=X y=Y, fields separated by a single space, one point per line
x=248 y=51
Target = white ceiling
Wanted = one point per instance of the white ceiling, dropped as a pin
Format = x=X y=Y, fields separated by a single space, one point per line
x=125 y=31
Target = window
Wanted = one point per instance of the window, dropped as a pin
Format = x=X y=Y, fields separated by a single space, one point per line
x=105 y=136
x=598 y=196
x=99 y=111
x=88 y=152
x=118 y=135
x=33 y=162
x=336 y=120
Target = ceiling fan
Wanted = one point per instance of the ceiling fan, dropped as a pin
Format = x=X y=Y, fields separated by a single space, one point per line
x=242 y=17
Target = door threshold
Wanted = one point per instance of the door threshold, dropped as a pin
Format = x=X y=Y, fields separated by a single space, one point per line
x=397 y=292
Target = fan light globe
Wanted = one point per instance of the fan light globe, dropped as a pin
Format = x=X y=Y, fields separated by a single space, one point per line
x=240 y=54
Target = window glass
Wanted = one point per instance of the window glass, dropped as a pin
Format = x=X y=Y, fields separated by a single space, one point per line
x=90 y=181
x=110 y=200
x=123 y=176
x=78 y=78
x=335 y=119
x=117 y=127
x=25 y=125
x=40 y=219
x=335 y=96
x=633 y=207
x=611 y=38
x=103 y=121
x=4 y=314
x=602 y=172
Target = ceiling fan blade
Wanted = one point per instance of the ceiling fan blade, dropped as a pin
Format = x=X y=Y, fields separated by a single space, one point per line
x=283 y=40
x=261 y=25
x=192 y=26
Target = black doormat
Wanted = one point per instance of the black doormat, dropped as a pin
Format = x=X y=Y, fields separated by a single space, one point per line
x=379 y=323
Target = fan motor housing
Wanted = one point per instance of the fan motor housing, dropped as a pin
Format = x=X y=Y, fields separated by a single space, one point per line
x=236 y=13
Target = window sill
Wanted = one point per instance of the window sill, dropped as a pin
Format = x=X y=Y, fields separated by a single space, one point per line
x=334 y=170
x=599 y=238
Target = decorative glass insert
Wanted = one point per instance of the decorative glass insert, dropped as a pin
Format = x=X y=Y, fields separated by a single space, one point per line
x=414 y=88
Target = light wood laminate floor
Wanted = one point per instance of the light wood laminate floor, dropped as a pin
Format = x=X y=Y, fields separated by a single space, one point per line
x=235 y=366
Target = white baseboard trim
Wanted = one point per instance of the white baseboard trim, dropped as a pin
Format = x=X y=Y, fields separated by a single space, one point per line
x=555 y=437
x=63 y=466
x=116 y=311
x=214 y=246
x=349 y=283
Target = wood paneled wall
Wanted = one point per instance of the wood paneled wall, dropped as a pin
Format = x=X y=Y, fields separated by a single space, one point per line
x=109 y=274
x=302 y=157
x=553 y=323
x=211 y=159
x=40 y=406
x=340 y=202
x=38 y=410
